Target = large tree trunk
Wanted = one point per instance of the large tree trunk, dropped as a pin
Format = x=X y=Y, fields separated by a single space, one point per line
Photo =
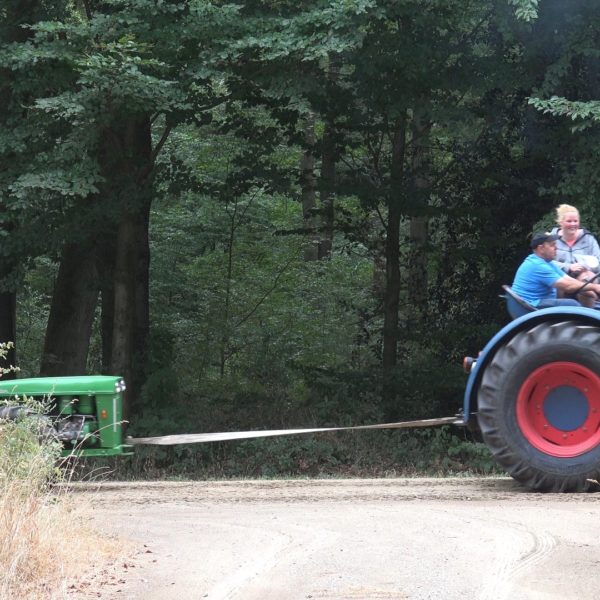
x=392 y=251
x=131 y=302
x=124 y=310
x=72 y=313
x=130 y=305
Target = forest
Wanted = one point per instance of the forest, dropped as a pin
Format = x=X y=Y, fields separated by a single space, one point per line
x=271 y=214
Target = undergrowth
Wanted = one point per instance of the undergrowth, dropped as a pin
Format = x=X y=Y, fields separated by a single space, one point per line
x=421 y=452
x=332 y=399
x=41 y=529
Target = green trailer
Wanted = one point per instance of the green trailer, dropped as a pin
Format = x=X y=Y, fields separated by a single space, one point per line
x=85 y=412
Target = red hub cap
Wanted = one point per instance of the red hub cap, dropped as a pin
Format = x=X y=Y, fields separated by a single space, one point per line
x=558 y=409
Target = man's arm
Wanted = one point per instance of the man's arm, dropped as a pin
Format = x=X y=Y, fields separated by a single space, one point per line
x=570 y=285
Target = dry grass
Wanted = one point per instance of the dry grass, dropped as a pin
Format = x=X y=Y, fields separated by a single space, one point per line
x=46 y=545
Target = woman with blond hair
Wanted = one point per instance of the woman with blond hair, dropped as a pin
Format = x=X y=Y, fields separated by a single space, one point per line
x=577 y=251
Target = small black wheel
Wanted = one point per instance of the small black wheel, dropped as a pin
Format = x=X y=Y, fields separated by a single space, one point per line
x=539 y=407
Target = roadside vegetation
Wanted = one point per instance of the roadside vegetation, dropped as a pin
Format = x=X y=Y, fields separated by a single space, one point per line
x=46 y=545
x=435 y=452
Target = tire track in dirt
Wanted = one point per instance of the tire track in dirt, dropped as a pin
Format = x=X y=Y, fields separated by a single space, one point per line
x=316 y=490
x=514 y=563
x=230 y=586
x=520 y=549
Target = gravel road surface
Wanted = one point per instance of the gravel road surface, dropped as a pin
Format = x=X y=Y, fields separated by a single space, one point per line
x=451 y=538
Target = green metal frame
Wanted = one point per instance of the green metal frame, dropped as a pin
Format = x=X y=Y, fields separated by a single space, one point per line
x=98 y=397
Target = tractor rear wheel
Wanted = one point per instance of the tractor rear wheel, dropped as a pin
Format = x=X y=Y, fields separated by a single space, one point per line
x=539 y=407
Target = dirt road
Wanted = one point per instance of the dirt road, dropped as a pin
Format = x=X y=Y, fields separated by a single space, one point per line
x=484 y=539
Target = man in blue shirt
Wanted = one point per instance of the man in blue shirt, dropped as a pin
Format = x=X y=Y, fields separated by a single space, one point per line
x=538 y=278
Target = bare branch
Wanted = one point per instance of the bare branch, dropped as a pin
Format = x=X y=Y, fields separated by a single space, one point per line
x=160 y=143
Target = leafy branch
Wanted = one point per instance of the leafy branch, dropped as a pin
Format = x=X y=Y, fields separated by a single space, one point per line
x=588 y=113
x=525 y=10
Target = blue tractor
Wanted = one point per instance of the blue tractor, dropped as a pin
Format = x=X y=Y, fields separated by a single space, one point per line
x=534 y=391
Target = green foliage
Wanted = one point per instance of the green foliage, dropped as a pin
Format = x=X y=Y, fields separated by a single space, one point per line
x=33 y=313
x=264 y=309
x=587 y=112
x=525 y=10
x=22 y=456
x=437 y=452
x=27 y=453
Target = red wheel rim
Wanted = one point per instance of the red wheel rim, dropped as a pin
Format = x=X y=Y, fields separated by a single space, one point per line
x=558 y=409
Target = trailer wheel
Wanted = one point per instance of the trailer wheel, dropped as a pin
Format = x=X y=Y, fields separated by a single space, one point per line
x=539 y=407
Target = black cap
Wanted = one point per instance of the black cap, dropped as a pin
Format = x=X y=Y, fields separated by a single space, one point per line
x=540 y=237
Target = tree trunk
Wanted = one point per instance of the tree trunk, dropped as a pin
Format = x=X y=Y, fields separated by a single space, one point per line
x=308 y=186
x=106 y=270
x=142 y=299
x=417 y=265
x=130 y=305
x=392 y=250
x=8 y=330
x=327 y=191
x=72 y=310
x=418 y=229
x=124 y=309
x=328 y=163
x=392 y=287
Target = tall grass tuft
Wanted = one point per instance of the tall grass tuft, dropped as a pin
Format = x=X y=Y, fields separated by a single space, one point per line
x=26 y=508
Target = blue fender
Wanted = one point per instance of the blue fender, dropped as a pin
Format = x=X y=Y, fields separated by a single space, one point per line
x=529 y=320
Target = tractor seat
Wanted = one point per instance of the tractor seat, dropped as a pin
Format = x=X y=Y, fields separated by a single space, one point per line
x=516 y=306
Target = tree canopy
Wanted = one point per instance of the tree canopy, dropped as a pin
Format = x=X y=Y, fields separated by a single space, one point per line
x=282 y=212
